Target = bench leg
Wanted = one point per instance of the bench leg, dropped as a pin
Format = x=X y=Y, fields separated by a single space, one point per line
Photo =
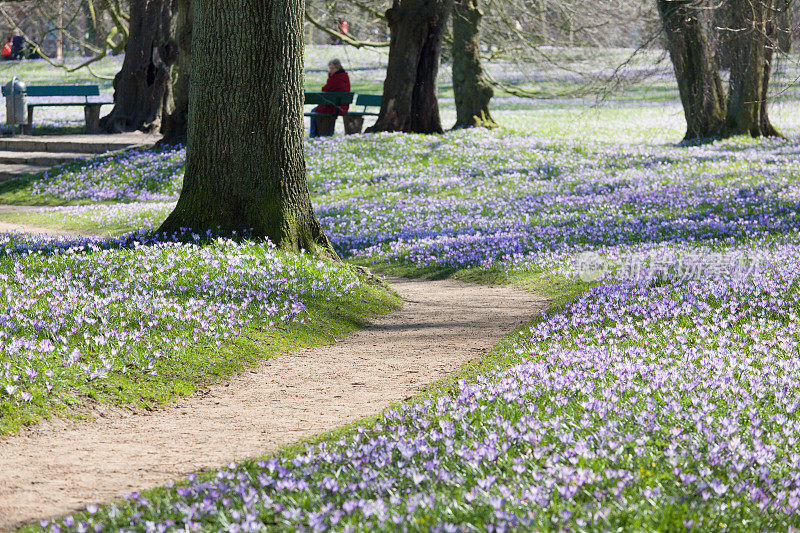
x=92 y=115
x=353 y=125
x=326 y=126
x=27 y=129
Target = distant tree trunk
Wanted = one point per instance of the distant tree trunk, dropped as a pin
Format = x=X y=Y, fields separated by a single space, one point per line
x=175 y=124
x=472 y=92
x=753 y=50
x=542 y=8
x=699 y=83
x=720 y=34
x=92 y=25
x=785 y=26
x=60 y=31
x=409 y=92
x=142 y=89
x=245 y=166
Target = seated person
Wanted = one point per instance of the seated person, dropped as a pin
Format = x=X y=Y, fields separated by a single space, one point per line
x=338 y=82
x=17 y=46
x=7 y=49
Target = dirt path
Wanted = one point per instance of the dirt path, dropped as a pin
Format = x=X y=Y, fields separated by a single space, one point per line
x=10 y=227
x=13 y=227
x=52 y=469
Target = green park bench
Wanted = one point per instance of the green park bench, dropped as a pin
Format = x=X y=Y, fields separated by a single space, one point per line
x=353 y=120
x=326 y=122
x=91 y=108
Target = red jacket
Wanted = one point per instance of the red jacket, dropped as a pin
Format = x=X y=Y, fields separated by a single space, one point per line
x=337 y=83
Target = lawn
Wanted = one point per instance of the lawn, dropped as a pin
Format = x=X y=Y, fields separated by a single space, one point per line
x=138 y=321
x=659 y=393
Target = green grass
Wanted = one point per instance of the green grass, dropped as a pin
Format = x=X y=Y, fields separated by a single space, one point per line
x=628 y=133
x=114 y=226
x=201 y=366
x=56 y=222
x=558 y=290
x=91 y=302
x=17 y=192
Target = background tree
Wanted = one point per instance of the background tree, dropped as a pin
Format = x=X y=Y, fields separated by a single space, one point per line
x=142 y=88
x=472 y=91
x=366 y=22
x=747 y=42
x=699 y=82
x=90 y=29
x=245 y=166
x=409 y=92
x=754 y=40
x=175 y=124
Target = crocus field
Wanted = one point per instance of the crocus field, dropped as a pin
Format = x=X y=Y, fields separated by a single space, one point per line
x=98 y=318
x=665 y=396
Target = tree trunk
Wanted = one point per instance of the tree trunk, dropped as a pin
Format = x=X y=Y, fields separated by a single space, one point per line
x=542 y=7
x=245 y=167
x=60 y=31
x=142 y=89
x=699 y=83
x=92 y=25
x=409 y=92
x=785 y=26
x=472 y=92
x=175 y=124
x=751 y=66
x=720 y=34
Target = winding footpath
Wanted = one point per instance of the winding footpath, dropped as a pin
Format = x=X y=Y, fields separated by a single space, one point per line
x=59 y=466
x=12 y=227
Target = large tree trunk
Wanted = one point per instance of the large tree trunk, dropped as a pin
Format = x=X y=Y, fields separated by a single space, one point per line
x=699 y=83
x=175 y=124
x=472 y=92
x=753 y=50
x=245 y=168
x=142 y=89
x=409 y=92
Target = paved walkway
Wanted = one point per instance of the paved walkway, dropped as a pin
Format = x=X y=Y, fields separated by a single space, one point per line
x=28 y=154
x=59 y=467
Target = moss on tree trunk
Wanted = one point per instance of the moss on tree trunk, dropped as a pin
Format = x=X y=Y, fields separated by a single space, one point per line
x=472 y=92
x=245 y=167
x=409 y=91
x=142 y=88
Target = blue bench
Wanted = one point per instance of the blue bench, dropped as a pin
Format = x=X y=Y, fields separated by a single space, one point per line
x=91 y=108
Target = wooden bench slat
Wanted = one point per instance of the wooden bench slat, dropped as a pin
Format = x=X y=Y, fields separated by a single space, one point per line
x=369 y=100
x=336 y=99
x=41 y=91
x=59 y=104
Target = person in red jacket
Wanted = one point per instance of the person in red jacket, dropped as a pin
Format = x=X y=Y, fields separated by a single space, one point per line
x=338 y=82
x=7 y=49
